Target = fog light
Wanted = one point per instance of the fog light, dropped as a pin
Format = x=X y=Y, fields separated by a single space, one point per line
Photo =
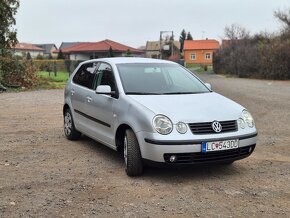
x=172 y=158
x=250 y=149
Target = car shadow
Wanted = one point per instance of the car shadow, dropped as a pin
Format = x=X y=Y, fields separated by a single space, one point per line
x=165 y=174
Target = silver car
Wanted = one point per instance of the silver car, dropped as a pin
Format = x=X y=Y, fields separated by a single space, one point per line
x=155 y=112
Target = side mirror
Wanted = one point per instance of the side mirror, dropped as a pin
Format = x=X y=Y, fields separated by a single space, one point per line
x=104 y=89
x=208 y=85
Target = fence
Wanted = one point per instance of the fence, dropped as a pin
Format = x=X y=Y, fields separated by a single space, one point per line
x=56 y=65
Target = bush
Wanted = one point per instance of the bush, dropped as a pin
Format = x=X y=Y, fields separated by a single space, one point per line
x=17 y=73
x=257 y=57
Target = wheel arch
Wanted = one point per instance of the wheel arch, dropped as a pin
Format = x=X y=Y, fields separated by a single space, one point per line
x=65 y=107
x=120 y=134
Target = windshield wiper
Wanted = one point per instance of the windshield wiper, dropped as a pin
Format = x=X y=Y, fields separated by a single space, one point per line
x=182 y=93
x=143 y=93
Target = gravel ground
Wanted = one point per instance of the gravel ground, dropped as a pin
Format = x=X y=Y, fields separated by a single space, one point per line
x=44 y=175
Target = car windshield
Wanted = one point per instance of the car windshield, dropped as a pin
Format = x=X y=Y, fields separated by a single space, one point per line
x=158 y=79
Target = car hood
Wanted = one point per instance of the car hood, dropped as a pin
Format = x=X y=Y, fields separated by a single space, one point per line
x=203 y=107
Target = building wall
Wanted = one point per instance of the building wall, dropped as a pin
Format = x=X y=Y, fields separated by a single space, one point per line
x=199 y=57
x=23 y=53
x=79 y=57
x=152 y=54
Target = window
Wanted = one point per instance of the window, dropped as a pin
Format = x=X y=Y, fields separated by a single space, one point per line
x=207 y=56
x=85 y=75
x=105 y=76
x=165 y=79
x=193 y=56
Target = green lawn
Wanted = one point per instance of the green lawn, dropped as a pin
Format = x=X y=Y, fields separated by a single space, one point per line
x=51 y=81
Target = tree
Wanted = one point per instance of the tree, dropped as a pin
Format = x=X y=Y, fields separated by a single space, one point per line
x=283 y=16
x=181 y=39
x=110 y=52
x=8 y=35
x=50 y=56
x=60 y=55
x=28 y=56
x=236 y=31
x=189 y=36
x=39 y=57
x=129 y=53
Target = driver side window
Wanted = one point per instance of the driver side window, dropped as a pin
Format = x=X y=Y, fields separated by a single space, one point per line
x=105 y=76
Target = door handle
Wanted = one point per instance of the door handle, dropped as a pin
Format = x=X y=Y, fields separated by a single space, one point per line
x=89 y=99
x=72 y=92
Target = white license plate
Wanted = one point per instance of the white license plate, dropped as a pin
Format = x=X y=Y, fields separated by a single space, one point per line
x=219 y=145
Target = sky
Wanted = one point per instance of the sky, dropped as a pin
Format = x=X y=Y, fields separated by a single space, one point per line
x=133 y=22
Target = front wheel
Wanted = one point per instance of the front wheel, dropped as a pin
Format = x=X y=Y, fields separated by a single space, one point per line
x=69 y=128
x=132 y=154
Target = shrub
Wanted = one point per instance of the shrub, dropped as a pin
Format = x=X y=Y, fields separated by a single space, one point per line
x=14 y=72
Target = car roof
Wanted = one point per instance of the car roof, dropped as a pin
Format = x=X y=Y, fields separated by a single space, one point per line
x=127 y=60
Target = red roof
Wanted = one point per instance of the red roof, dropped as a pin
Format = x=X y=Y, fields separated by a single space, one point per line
x=99 y=47
x=201 y=44
x=27 y=46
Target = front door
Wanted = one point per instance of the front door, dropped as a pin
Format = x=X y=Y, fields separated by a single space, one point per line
x=100 y=107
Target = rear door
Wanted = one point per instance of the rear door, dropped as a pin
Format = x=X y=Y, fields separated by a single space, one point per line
x=82 y=84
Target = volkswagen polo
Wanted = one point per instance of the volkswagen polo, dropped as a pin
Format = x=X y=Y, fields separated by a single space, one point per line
x=155 y=111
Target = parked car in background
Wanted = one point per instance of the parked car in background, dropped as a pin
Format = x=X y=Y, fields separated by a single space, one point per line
x=155 y=111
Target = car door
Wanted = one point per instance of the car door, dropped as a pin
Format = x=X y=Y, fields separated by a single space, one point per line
x=82 y=84
x=100 y=106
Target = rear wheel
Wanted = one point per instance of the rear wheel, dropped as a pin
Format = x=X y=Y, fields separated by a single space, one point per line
x=132 y=154
x=69 y=128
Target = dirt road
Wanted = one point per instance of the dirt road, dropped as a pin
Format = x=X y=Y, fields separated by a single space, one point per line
x=44 y=175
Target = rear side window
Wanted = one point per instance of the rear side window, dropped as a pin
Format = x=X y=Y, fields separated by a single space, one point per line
x=85 y=75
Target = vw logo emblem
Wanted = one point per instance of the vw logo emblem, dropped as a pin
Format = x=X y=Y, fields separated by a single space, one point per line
x=216 y=126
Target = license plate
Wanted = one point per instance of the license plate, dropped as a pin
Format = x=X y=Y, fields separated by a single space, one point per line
x=219 y=145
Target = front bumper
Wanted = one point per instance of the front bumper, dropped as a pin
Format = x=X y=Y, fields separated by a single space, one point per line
x=189 y=151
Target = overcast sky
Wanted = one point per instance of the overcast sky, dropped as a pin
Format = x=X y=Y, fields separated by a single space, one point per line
x=133 y=22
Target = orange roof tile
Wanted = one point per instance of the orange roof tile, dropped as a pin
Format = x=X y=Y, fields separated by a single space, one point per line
x=27 y=46
x=201 y=44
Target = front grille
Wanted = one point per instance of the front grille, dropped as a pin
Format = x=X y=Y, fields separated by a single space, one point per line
x=206 y=128
x=209 y=157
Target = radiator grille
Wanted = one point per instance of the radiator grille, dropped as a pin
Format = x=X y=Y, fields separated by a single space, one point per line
x=206 y=128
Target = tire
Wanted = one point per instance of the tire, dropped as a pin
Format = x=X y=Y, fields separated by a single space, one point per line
x=132 y=154
x=69 y=127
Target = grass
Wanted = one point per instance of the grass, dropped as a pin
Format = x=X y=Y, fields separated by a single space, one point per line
x=51 y=81
x=200 y=68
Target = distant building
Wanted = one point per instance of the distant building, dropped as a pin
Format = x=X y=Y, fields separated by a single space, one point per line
x=199 y=51
x=68 y=44
x=21 y=49
x=48 y=49
x=91 y=50
x=153 y=50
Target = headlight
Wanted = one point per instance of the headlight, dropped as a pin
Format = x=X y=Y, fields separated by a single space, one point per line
x=162 y=124
x=247 y=117
x=241 y=123
x=181 y=127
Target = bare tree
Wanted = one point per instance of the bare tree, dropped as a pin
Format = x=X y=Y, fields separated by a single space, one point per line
x=235 y=31
x=283 y=16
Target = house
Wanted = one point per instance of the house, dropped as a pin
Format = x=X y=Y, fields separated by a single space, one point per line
x=68 y=44
x=21 y=49
x=91 y=50
x=199 y=51
x=153 y=50
x=48 y=49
